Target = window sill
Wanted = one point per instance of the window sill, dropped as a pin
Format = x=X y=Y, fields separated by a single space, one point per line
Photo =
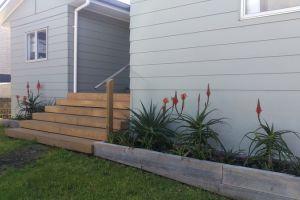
x=269 y=13
x=38 y=60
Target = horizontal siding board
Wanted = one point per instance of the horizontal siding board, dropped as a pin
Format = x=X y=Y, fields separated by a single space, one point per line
x=207 y=8
x=262 y=82
x=153 y=6
x=271 y=65
x=42 y=16
x=237 y=51
x=220 y=37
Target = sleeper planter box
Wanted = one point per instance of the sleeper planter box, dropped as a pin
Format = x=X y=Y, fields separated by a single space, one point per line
x=231 y=181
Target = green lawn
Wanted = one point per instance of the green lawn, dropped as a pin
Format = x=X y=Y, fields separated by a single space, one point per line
x=61 y=174
x=7 y=145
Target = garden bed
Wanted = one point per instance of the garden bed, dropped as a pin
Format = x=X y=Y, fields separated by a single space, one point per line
x=231 y=181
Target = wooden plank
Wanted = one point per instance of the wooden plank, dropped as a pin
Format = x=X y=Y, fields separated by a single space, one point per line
x=262 y=181
x=118 y=97
x=194 y=172
x=65 y=129
x=89 y=103
x=90 y=121
x=66 y=142
x=110 y=106
x=86 y=111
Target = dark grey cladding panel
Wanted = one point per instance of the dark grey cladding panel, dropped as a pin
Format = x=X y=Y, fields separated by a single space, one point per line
x=5 y=78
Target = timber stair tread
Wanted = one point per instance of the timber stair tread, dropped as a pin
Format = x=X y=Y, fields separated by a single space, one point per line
x=90 y=103
x=89 y=121
x=66 y=129
x=86 y=111
x=67 y=142
x=99 y=97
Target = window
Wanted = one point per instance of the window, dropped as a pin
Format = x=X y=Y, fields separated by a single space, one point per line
x=259 y=8
x=37 y=45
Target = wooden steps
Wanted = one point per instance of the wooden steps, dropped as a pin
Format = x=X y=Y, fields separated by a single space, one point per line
x=90 y=104
x=66 y=129
x=79 y=117
x=71 y=143
x=95 y=112
x=89 y=121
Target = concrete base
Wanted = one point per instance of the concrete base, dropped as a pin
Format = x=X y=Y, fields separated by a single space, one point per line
x=9 y=123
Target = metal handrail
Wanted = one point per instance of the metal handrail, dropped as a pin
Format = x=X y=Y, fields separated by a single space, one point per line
x=112 y=76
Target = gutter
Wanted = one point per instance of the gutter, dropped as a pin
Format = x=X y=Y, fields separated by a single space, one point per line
x=75 y=77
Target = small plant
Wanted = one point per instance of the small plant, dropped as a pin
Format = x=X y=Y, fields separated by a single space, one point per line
x=149 y=128
x=123 y=137
x=267 y=146
x=30 y=104
x=198 y=133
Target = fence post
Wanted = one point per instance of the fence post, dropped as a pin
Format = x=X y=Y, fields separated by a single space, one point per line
x=109 y=106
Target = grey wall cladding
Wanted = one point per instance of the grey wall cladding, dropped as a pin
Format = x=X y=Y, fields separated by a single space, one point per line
x=103 y=48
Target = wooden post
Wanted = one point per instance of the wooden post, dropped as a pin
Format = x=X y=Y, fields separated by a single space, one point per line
x=109 y=107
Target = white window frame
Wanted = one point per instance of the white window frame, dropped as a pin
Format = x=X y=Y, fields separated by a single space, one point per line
x=36 y=59
x=244 y=15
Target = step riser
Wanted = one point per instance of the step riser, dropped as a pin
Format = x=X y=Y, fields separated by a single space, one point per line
x=94 y=112
x=98 y=97
x=96 y=122
x=74 y=144
x=64 y=129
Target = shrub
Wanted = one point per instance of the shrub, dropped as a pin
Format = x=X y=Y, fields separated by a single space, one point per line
x=267 y=146
x=30 y=104
x=148 y=128
x=198 y=134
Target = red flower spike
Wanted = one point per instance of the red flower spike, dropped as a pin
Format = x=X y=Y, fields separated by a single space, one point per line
x=175 y=99
x=208 y=92
x=38 y=86
x=27 y=86
x=165 y=101
x=183 y=96
x=258 y=108
x=18 y=97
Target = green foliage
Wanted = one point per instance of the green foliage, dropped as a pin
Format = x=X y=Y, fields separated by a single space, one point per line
x=198 y=137
x=31 y=103
x=123 y=137
x=268 y=147
x=148 y=128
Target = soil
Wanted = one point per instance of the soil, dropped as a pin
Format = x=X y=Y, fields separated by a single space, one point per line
x=21 y=157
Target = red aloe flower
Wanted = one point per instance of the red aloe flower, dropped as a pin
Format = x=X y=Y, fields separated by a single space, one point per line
x=183 y=96
x=18 y=97
x=175 y=99
x=199 y=101
x=38 y=86
x=24 y=98
x=27 y=87
x=208 y=92
x=165 y=101
x=258 y=108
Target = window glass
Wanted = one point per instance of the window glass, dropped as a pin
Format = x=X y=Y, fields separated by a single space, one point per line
x=41 y=44
x=31 y=46
x=37 y=45
x=258 y=6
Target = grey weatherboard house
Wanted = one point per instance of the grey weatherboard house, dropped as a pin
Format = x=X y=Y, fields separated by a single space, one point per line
x=245 y=49
x=42 y=44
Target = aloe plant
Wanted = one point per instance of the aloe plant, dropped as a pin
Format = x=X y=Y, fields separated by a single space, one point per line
x=267 y=145
x=199 y=137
